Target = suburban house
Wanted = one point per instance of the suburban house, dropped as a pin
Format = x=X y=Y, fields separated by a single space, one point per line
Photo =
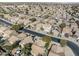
x=26 y=41
x=8 y=33
x=21 y=36
x=36 y=50
x=13 y=39
x=2 y=29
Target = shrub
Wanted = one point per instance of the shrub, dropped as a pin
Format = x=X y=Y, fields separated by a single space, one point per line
x=42 y=28
x=2 y=16
x=32 y=19
x=26 y=11
x=77 y=22
x=46 y=16
x=41 y=7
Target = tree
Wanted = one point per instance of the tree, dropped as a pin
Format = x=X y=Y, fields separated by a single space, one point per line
x=2 y=49
x=11 y=47
x=15 y=45
x=26 y=50
x=46 y=39
x=63 y=42
x=62 y=25
x=8 y=50
x=17 y=26
x=46 y=48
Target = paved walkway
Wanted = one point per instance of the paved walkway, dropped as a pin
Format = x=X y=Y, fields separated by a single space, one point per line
x=68 y=51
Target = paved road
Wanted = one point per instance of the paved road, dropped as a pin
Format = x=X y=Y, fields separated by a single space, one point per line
x=71 y=44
